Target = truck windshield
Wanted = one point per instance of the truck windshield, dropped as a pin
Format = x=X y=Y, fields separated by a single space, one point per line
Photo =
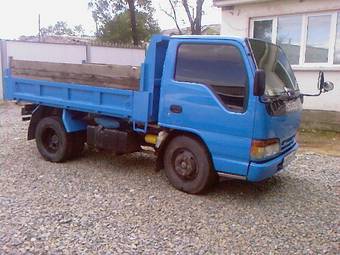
x=279 y=74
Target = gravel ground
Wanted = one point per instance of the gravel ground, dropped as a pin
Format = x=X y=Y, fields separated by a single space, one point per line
x=104 y=204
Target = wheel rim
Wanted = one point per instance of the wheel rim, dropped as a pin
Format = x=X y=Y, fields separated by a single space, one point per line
x=185 y=165
x=50 y=140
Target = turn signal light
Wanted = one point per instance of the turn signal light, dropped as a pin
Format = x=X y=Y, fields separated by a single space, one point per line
x=263 y=149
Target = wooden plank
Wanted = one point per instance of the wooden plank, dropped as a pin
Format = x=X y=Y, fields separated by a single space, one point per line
x=117 y=76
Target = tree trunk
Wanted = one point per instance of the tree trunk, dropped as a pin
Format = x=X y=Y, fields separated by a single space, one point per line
x=133 y=20
x=190 y=18
x=198 y=19
x=195 y=22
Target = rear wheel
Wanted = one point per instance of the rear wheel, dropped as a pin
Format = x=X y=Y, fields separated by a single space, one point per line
x=188 y=166
x=53 y=142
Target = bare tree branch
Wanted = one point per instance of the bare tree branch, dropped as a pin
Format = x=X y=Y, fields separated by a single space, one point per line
x=194 y=15
x=173 y=15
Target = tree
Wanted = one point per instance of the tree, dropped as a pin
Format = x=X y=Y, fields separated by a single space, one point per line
x=61 y=28
x=78 y=30
x=118 y=30
x=173 y=14
x=133 y=20
x=193 y=11
x=195 y=20
x=136 y=16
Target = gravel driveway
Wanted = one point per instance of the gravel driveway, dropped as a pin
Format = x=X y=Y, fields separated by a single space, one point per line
x=105 y=204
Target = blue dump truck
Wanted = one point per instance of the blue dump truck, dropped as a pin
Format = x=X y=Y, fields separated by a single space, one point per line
x=210 y=106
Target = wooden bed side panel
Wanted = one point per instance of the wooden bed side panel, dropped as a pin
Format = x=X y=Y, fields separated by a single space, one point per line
x=115 y=76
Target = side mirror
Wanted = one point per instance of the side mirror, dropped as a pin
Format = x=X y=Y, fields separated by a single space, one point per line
x=259 y=82
x=324 y=86
x=327 y=86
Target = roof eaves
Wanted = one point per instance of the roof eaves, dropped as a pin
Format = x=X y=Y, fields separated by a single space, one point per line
x=225 y=3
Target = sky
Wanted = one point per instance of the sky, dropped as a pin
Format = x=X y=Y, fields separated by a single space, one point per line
x=20 y=17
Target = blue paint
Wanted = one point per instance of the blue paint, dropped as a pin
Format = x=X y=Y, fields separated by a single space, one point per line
x=107 y=122
x=261 y=171
x=72 y=124
x=140 y=114
x=227 y=134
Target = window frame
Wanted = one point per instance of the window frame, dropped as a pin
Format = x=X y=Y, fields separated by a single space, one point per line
x=303 y=38
x=226 y=106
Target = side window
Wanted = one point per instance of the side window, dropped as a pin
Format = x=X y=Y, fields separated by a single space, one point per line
x=219 y=66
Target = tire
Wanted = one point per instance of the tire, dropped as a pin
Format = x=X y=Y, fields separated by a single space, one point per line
x=53 y=142
x=188 y=166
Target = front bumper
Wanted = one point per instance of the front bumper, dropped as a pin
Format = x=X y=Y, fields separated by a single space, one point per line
x=261 y=171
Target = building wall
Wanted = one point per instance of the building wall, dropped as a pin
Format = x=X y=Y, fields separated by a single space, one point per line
x=236 y=22
x=328 y=101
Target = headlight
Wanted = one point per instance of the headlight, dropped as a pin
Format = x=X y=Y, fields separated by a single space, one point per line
x=263 y=149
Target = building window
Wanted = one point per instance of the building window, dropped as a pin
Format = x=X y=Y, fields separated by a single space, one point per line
x=337 y=42
x=220 y=67
x=308 y=40
x=263 y=30
x=289 y=37
x=317 y=43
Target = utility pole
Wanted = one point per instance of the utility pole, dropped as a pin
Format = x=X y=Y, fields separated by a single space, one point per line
x=39 y=27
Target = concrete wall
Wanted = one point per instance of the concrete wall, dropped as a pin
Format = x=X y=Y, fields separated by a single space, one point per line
x=48 y=52
x=68 y=53
x=118 y=56
x=236 y=22
x=321 y=120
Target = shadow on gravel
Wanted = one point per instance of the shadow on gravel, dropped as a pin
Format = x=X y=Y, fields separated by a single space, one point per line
x=130 y=162
x=248 y=189
x=142 y=165
x=141 y=161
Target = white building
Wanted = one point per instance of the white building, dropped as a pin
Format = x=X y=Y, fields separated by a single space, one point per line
x=309 y=32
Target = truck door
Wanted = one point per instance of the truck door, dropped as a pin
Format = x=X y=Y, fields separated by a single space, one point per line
x=206 y=90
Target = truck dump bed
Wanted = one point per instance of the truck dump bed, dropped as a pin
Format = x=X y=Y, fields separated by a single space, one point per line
x=112 y=76
x=110 y=90
x=113 y=90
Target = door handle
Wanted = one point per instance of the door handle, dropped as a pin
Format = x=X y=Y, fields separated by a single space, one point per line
x=176 y=108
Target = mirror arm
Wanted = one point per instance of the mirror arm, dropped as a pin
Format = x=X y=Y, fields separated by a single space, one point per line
x=311 y=95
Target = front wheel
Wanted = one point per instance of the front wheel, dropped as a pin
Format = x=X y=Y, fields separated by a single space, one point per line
x=188 y=166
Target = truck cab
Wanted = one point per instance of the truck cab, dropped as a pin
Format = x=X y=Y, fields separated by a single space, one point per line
x=208 y=89
x=210 y=106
